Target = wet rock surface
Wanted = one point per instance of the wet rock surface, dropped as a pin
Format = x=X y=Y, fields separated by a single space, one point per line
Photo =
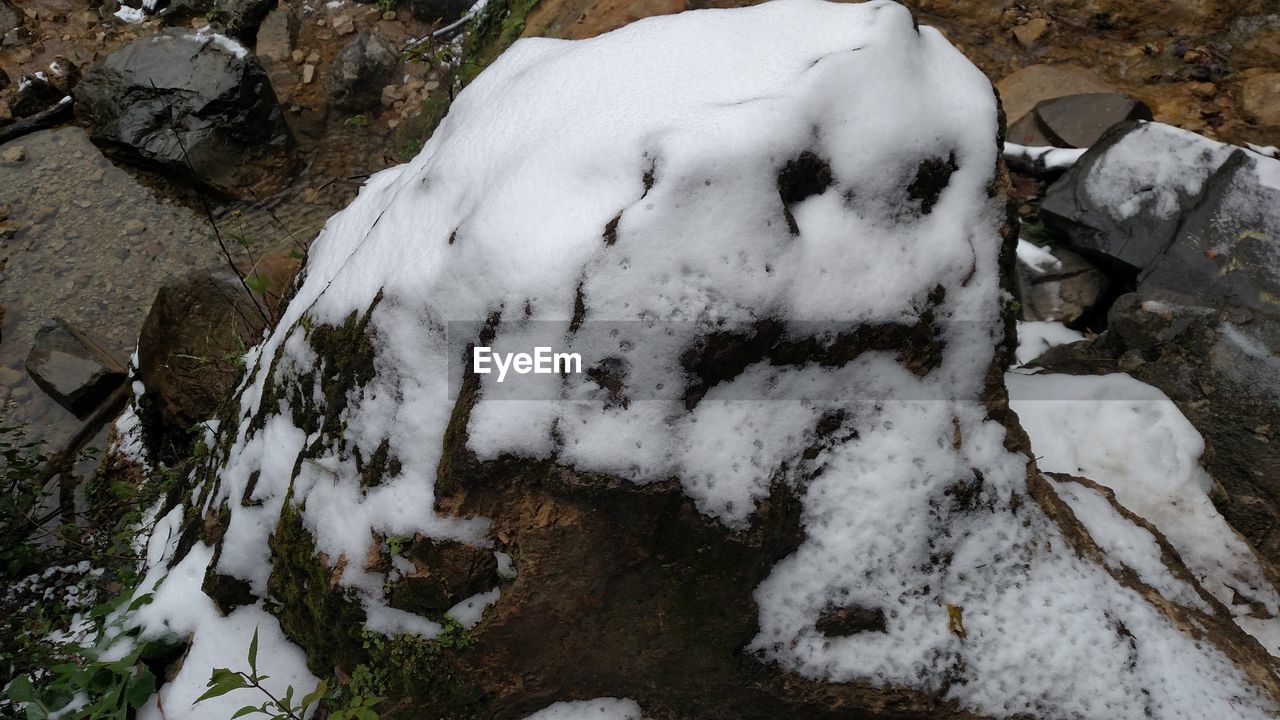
x=192 y=106
x=73 y=368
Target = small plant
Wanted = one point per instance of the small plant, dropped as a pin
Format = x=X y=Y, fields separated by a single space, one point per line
x=224 y=680
x=396 y=544
x=356 y=121
x=386 y=5
x=90 y=687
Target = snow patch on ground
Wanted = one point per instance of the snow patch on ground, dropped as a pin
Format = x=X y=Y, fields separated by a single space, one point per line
x=1130 y=437
x=1034 y=337
x=598 y=709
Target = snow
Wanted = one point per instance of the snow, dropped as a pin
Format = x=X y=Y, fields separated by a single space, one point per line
x=206 y=36
x=1130 y=437
x=1050 y=158
x=503 y=215
x=1036 y=336
x=179 y=608
x=598 y=709
x=1039 y=259
x=1153 y=167
x=130 y=15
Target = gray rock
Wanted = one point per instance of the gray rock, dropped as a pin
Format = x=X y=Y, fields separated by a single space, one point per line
x=1221 y=366
x=164 y=99
x=182 y=12
x=1168 y=209
x=1225 y=249
x=1078 y=121
x=72 y=368
x=241 y=18
x=10 y=17
x=278 y=35
x=360 y=71
x=1065 y=294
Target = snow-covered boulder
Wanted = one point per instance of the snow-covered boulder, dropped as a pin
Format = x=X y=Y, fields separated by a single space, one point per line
x=786 y=482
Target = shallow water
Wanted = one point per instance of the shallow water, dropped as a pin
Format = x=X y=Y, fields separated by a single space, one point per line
x=93 y=247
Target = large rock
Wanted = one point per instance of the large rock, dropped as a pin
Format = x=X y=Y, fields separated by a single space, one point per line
x=363 y=67
x=72 y=367
x=1170 y=209
x=196 y=106
x=1219 y=365
x=241 y=18
x=784 y=482
x=191 y=345
x=1260 y=98
x=1022 y=90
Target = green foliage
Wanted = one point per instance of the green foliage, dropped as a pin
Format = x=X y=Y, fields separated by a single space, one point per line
x=89 y=686
x=223 y=681
x=20 y=498
x=386 y=5
x=396 y=544
x=356 y=121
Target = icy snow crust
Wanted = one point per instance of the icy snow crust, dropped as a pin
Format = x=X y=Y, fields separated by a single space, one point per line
x=677 y=128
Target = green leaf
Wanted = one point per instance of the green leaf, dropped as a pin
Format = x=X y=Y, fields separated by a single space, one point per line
x=144 y=599
x=314 y=695
x=253 y=652
x=21 y=690
x=141 y=689
x=364 y=713
x=222 y=682
x=246 y=710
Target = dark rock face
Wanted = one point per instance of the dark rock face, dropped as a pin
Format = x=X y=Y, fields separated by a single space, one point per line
x=181 y=12
x=72 y=368
x=35 y=93
x=1078 y=121
x=445 y=10
x=241 y=18
x=199 y=107
x=10 y=17
x=360 y=71
x=1174 y=211
x=1222 y=368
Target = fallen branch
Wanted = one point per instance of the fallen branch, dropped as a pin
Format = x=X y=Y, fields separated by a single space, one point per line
x=43 y=120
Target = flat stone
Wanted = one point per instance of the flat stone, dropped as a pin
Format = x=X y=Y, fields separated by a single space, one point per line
x=278 y=35
x=1030 y=31
x=308 y=74
x=14 y=155
x=344 y=25
x=1260 y=98
x=73 y=368
x=1021 y=91
x=1078 y=121
x=1065 y=294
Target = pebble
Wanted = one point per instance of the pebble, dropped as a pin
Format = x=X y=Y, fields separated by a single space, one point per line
x=133 y=226
x=1031 y=31
x=1260 y=98
x=344 y=25
x=308 y=73
x=15 y=155
x=298 y=57
x=313 y=57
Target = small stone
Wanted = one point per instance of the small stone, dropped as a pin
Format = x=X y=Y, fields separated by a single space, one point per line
x=1030 y=31
x=6 y=113
x=344 y=25
x=431 y=85
x=391 y=94
x=298 y=57
x=308 y=74
x=133 y=226
x=393 y=123
x=1260 y=98
x=313 y=57
x=72 y=367
x=15 y=155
